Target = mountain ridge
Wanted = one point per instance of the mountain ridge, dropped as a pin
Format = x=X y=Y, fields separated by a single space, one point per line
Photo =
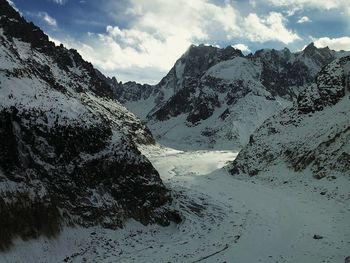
x=203 y=98
x=311 y=134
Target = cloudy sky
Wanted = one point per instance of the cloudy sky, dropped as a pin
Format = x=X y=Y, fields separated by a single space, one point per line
x=141 y=39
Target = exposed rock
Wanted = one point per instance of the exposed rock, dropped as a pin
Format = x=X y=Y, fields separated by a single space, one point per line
x=314 y=133
x=68 y=151
x=209 y=86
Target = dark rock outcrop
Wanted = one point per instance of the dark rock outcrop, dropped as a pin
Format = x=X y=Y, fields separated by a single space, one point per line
x=68 y=150
x=283 y=72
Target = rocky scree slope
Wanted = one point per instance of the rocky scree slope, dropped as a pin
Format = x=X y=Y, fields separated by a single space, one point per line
x=216 y=97
x=67 y=150
x=312 y=134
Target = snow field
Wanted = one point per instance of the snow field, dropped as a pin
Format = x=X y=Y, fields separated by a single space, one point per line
x=270 y=218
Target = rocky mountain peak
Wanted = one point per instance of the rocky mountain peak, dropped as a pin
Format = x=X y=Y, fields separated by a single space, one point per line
x=310 y=48
x=14 y=25
x=197 y=59
x=205 y=53
x=317 y=56
x=207 y=84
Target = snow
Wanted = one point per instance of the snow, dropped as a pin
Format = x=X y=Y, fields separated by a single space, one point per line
x=237 y=68
x=179 y=71
x=142 y=107
x=322 y=134
x=23 y=87
x=233 y=132
x=270 y=218
x=31 y=93
x=28 y=91
x=23 y=49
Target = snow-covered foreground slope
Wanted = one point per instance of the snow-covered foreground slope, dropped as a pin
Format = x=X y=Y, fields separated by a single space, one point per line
x=270 y=218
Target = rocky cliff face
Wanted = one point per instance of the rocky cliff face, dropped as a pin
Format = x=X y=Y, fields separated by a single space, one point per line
x=67 y=149
x=284 y=73
x=312 y=134
x=216 y=97
x=146 y=100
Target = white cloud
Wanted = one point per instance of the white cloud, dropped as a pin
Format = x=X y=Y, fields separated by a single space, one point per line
x=60 y=2
x=324 y=4
x=47 y=19
x=303 y=19
x=292 y=11
x=271 y=27
x=242 y=47
x=160 y=31
x=341 y=43
x=320 y=4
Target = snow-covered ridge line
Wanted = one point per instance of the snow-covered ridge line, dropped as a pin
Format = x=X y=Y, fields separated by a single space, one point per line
x=216 y=98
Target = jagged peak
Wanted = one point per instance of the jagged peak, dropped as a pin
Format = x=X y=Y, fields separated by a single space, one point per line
x=270 y=53
x=262 y=51
x=7 y=10
x=310 y=46
x=203 y=49
x=311 y=49
x=286 y=50
x=14 y=25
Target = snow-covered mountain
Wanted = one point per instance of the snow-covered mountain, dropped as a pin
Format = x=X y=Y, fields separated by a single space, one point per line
x=68 y=150
x=312 y=134
x=216 y=98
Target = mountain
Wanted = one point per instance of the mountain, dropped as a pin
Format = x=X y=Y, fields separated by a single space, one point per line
x=313 y=134
x=216 y=98
x=68 y=150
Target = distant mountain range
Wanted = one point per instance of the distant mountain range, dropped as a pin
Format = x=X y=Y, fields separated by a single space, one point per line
x=216 y=98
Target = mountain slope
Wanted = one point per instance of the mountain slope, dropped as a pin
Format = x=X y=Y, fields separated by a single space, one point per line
x=215 y=98
x=67 y=149
x=313 y=134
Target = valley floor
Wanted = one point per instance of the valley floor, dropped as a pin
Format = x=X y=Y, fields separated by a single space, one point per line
x=269 y=218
